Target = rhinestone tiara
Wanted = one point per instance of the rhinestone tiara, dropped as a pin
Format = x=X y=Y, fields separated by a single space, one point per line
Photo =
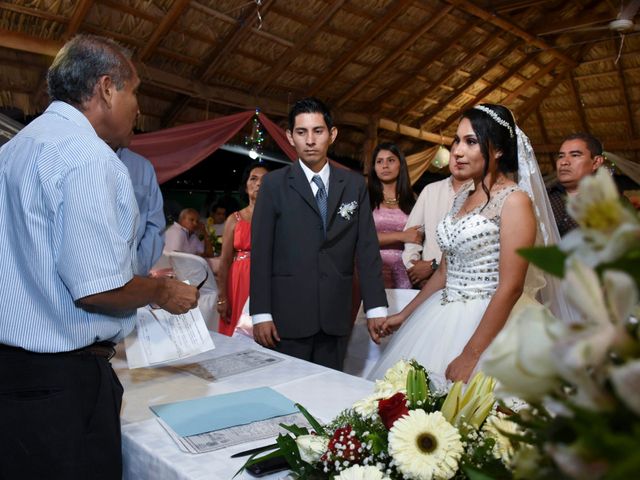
x=496 y=117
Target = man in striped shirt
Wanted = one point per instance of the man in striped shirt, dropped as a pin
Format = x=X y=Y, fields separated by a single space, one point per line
x=68 y=291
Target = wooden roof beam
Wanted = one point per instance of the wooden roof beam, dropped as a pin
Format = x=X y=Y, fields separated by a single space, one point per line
x=470 y=81
x=410 y=40
x=428 y=60
x=527 y=108
x=575 y=94
x=219 y=54
x=486 y=91
x=507 y=26
x=440 y=82
x=401 y=129
x=627 y=103
x=531 y=82
x=327 y=14
x=168 y=20
x=374 y=31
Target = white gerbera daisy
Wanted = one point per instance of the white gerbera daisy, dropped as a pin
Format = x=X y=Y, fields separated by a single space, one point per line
x=359 y=472
x=425 y=446
x=493 y=427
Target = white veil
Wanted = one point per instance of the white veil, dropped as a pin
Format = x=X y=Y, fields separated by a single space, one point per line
x=530 y=180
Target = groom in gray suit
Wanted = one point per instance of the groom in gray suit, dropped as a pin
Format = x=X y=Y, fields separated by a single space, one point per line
x=311 y=220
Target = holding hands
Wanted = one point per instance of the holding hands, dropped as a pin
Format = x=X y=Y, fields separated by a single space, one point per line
x=382 y=327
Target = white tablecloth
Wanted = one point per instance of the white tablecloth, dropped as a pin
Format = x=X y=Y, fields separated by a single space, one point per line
x=149 y=452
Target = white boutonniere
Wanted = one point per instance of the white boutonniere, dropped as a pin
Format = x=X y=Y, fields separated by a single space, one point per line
x=347 y=210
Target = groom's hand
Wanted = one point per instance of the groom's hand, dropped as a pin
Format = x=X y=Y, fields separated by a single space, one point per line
x=265 y=334
x=374 y=325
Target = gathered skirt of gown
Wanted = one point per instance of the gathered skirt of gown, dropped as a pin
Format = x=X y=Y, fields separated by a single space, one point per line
x=438 y=330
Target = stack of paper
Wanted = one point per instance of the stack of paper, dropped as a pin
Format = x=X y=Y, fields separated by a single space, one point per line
x=220 y=421
x=161 y=337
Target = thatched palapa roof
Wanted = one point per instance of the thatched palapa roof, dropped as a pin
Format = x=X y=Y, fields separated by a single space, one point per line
x=397 y=70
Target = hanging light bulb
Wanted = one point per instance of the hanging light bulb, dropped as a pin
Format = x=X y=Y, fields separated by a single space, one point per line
x=253 y=154
x=441 y=159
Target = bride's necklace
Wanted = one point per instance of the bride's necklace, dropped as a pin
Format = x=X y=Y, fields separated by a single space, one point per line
x=390 y=201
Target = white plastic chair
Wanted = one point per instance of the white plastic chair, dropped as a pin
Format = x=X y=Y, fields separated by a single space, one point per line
x=195 y=269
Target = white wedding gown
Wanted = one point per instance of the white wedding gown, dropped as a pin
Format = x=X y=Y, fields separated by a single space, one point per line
x=437 y=331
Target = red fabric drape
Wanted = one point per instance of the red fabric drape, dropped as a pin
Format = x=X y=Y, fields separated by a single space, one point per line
x=279 y=136
x=175 y=150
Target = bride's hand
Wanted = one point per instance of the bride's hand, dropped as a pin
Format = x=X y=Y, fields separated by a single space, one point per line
x=391 y=324
x=462 y=367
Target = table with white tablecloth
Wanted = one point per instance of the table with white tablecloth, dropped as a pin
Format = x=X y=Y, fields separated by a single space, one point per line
x=149 y=452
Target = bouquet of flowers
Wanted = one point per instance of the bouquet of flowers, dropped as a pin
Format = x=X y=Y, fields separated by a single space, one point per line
x=404 y=430
x=580 y=375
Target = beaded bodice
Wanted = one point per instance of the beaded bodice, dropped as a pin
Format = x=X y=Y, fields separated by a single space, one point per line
x=471 y=245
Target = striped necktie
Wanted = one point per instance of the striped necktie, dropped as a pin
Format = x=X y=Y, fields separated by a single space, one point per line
x=321 y=199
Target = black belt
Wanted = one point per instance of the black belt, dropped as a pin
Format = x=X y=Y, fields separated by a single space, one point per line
x=99 y=349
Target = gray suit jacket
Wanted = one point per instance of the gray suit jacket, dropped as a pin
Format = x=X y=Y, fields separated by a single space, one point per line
x=299 y=275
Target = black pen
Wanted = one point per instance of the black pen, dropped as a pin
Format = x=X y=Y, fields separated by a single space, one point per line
x=254 y=450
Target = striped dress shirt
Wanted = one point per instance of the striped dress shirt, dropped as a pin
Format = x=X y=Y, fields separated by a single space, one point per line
x=68 y=219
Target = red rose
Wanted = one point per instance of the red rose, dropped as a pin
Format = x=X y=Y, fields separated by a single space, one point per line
x=392 y=408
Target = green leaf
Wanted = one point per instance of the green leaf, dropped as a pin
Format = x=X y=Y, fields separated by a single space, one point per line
x=295 y=429
x=474 y=474
x=550 y=259
x=628 y=263
x=312 y=421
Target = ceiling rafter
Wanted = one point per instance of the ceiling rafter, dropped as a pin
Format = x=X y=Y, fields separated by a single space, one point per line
x=168 y=21
x=527 y=108
x=323 y=17
x=398 y=51
x=242 y=30
x=413 y=74
x=531 y=82
x=446 y=75
x=229 y=19
x=216 y=57
x=470 y=81
x=486 y=91
x=575 y=94
x=627 y=104
x=561 y=26
x=373 y=31
x=507 y=26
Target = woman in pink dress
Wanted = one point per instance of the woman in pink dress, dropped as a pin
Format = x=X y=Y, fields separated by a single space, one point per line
x=391 y=202
x=233 y=274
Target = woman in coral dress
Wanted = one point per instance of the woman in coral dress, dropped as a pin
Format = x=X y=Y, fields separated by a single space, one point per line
x=233 y=275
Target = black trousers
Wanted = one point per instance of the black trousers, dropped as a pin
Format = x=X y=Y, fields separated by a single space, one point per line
x=321 y=348
x=59 y=417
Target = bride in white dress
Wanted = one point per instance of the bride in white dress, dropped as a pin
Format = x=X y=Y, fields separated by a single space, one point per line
x=465 y=304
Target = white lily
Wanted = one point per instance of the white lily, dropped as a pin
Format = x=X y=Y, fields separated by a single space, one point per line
x=520 y=356
x=597 y=205
x=626 y=382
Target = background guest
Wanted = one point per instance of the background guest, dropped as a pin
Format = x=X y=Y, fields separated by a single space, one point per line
x=150 y=236
x=580 y=155
x=433 y=203
x=391 y=202
x=216 y=220
x=235 y=261
x=188 y=235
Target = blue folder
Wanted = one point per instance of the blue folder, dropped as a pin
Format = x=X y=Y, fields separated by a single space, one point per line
x=207 y=414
